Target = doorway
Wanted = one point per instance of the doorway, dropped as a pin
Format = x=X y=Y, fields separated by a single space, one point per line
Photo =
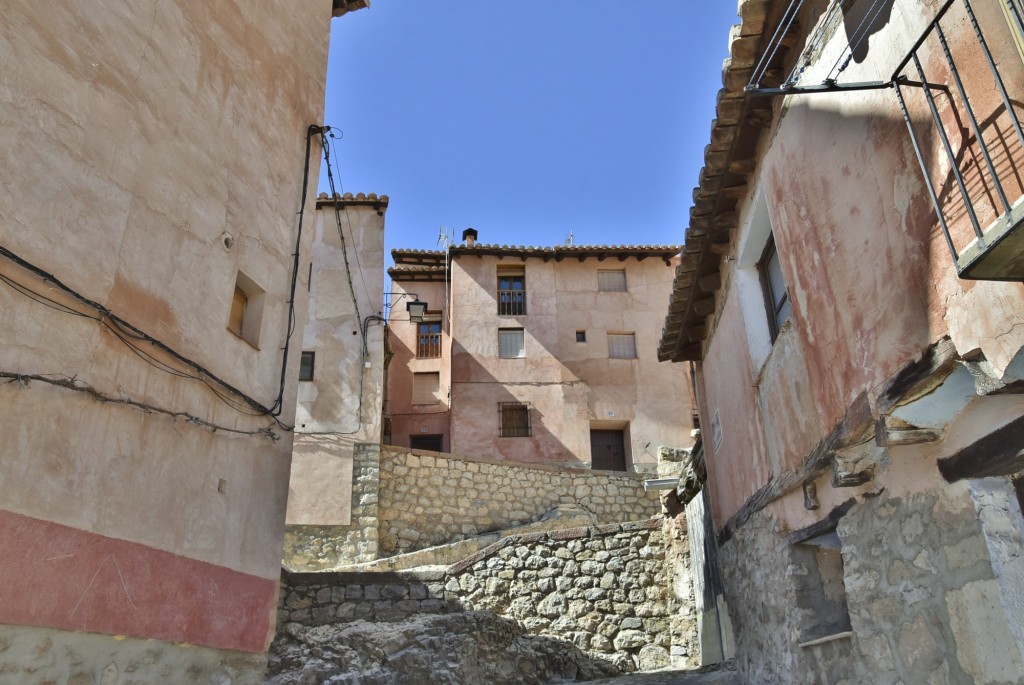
x=607 y=450
x=432 y=443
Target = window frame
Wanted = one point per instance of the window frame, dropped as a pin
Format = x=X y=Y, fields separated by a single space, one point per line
x=581 y=336
x=522 y=342
x=511 y=301
x=433 y=339
x=601 y=286
x=303 y=366
x=245 y=314
x=774 y=304
x=417 y=394
x=624 y=335
x=520 y=410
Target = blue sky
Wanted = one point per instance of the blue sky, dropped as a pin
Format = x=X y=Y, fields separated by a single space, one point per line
x=527 y=120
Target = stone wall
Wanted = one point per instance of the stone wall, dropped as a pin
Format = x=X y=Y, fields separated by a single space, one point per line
x=429 y=499
x=404 y=501
x=916 y=583
x=603 y=589
x=314 y=547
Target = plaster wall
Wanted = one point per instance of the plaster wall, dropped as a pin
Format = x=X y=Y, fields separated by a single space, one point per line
x=132 y=177
x=341 y=406
x=869 y=275
x=929 y=584
x=571 y=386
x=409 y=419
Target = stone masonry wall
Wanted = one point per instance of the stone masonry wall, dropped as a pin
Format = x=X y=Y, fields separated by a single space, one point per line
x=315 y=547
x=919 y=589
x=429 y=499
x=603 y=589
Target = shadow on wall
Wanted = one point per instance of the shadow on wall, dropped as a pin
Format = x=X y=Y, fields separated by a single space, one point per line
x=862 y=19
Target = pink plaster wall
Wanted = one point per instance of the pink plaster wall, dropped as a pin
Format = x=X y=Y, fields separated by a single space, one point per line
x=871 y=280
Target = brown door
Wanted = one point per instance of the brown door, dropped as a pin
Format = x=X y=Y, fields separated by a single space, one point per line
x=607 y=450
x=425 y=442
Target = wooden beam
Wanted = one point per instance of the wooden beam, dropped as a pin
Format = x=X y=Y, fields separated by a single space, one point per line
x=1000 y=453
x=919 y=377
x=851 y=430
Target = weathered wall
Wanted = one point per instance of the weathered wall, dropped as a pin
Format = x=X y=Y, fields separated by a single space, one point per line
x=922 y=598
x=605 y=590
x=318 y=547
x=339 y=409
x=130 y=175
x=918 y=583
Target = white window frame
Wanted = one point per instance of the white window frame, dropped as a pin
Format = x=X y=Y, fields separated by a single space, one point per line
x=507 y=341
x=756 y=231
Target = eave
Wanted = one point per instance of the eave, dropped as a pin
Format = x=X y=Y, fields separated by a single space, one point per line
x=729 y=159
x=558 y=253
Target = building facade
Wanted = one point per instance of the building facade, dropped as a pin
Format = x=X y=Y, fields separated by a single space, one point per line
x=535 y=354
x=150 y=273
x=850 y=289
x=341 y=370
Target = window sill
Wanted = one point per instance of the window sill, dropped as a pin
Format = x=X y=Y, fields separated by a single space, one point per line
x=845 y=635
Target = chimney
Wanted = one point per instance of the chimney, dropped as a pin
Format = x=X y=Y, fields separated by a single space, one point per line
x=469 y=237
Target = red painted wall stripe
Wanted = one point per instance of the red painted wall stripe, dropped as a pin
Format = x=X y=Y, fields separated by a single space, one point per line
x=54 y=576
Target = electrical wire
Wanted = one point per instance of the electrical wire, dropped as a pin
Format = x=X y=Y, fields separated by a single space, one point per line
x=127 y=333
x=72 y=383
x=337 y=218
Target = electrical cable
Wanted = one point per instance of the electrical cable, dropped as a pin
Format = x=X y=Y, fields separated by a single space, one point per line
x=122 y=329
x=72 y=383
x=337 y=218
x=290 y=329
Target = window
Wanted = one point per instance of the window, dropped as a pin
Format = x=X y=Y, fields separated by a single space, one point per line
x=776 y=296
x=246 y=315
x=511 y=292
x=515 y=419
x=426 y=387
x=581 y=336
x=622 y=345
x=511 y=343
x=428 y=339
x=306 y=366
x=611 y=281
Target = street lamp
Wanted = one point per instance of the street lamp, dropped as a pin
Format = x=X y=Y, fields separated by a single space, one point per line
x=417 y=310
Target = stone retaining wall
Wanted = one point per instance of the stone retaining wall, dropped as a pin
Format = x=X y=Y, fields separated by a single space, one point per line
x=429 y=499
x=404 y=501
x=604 y=589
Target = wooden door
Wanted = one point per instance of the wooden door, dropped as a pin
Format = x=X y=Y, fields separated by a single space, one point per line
x=607 y=450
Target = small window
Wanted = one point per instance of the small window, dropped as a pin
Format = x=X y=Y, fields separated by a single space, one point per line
x=776 y=295
x=511 y=343
x=622 y=345
x=306 y=366
x=426 y=388
x=428 y=339
x=581 y=336
x=611 y=281
x=515 y=419
x=512 y=292
x=246 y=315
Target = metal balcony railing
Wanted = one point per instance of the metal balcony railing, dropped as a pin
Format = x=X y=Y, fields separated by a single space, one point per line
x=978 y=197
x=512 y=302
